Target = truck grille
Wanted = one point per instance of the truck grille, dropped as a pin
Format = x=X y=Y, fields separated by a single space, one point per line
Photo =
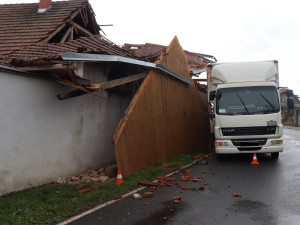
x=249 y=144
x=239 y=131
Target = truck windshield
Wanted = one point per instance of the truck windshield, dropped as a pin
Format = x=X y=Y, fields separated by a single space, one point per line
x=247 y=100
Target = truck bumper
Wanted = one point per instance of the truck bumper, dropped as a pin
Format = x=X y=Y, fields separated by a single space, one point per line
x=228 y=148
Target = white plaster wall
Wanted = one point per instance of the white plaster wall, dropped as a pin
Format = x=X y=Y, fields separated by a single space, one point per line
x=42 y=138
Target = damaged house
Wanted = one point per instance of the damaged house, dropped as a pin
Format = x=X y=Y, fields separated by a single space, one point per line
x=73 y=100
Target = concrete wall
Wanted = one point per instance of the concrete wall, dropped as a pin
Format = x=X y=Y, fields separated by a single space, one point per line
x=43 y=138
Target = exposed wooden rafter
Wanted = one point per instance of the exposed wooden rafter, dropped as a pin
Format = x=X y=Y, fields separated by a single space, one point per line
x=64 y=38
x=102 y=86
x=118 y=82
x=70 y=38
x=78 y=29
x=81 y=29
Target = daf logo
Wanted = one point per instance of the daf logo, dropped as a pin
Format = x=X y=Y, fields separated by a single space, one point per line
x=229 y=130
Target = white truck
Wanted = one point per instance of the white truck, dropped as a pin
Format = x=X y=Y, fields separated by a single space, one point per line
x=245 y=108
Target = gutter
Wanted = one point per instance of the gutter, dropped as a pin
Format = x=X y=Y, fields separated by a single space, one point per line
x=69 y=56
x=19 y=72
x=11 y=69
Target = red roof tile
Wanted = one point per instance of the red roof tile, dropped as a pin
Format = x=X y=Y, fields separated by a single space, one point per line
x=151 y=52
x=41 y=51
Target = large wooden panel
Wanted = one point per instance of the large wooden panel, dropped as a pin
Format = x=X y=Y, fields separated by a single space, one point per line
x=164 y=119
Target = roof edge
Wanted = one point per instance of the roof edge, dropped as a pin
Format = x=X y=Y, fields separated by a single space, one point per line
x=69 y=56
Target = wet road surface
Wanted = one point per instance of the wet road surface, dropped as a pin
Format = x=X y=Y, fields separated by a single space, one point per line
x=270 y=194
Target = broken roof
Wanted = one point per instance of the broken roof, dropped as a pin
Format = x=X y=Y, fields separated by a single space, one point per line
x=151 y=52
x=69 y=26
x=53 y=51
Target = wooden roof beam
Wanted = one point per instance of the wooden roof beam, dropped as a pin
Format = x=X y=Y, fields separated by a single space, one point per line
x=102 y=86
x=64 y=38
x=71 y=36
x=81 y=29
x=60 y=27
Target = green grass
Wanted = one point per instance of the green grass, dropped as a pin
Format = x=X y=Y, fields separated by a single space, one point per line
x=51 y=203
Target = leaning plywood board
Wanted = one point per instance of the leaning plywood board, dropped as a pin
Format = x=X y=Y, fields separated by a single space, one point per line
x=164 y=119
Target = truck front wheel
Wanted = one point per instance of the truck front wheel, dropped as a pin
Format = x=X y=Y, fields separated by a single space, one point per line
x=275 y=155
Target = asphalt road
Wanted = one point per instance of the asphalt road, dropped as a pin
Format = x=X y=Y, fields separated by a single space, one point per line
x=270 y=194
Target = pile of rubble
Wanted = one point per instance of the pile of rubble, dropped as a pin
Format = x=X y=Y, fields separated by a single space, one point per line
x=104 y=174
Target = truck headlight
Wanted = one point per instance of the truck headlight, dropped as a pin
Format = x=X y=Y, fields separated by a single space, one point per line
x=276 y=142
x=221 y=143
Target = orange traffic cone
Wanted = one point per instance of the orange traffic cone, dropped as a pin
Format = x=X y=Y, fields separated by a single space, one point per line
x=254 y=161
x=119 y=178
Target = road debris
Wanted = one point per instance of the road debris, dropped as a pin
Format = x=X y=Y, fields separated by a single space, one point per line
x=148 y=194
x=201 y=155
x=118 y=197
x=177 y=197
x=147 y=183
x=201 y=188
x=137 y=196
x=237 y=195
x=186 y=188
x=201 y=162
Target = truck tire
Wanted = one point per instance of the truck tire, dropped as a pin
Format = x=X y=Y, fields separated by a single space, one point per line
x=275 y=155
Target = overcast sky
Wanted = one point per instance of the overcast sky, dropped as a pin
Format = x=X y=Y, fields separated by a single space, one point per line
x=231 y=30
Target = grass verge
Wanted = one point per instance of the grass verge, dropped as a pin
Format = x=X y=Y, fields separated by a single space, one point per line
x=52 y=203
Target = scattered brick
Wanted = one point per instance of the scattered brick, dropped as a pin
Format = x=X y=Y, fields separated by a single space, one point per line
x=147 y=183
x=118 y=197
x=177 y=197
x=153 y=189
x=162 y=184
x=184 y=178
x=237 y=195
x=148 y=194
x=186 y=188
x=201 y=188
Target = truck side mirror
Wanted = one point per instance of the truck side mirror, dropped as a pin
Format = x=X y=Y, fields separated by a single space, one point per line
x=289 y=93
x=211 y=109
x=212 y=95
x=290 y=103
